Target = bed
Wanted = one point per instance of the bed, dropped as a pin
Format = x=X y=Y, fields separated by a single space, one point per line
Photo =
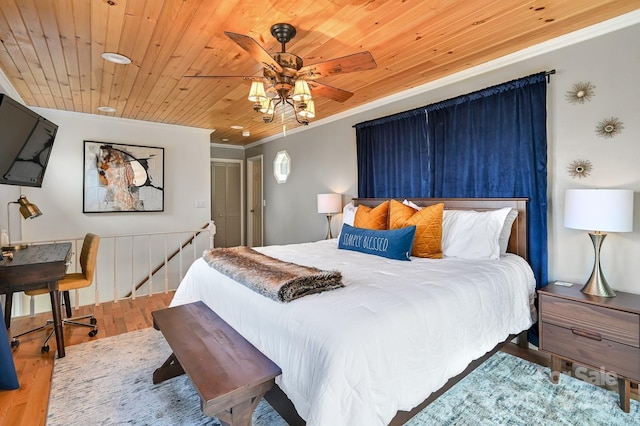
x=393 y=339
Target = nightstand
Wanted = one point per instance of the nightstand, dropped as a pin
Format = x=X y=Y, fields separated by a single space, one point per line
x=598 y=332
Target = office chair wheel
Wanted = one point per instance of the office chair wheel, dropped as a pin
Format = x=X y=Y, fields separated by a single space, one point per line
x=93 y=333
x=93 y=321
x=15 y=343
x=44 y=349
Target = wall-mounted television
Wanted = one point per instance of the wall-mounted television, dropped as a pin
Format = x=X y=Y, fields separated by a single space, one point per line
x=26 y=139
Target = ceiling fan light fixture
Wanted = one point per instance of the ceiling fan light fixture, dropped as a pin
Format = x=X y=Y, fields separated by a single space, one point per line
x=309 y=111
x=301 y=91
x=266 y=106
x=257 y=93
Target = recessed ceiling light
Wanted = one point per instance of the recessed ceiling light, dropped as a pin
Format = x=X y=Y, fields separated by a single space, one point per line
x=106 y=109
x=225 y=140
x=116 y=58
x=237 y=127
x=246 y=133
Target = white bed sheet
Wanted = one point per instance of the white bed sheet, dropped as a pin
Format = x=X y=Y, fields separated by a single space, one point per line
x=396 y=333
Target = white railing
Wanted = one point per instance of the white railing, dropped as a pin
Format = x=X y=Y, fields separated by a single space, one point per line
x=129 y=265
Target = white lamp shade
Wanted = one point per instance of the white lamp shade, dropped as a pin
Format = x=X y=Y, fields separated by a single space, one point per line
x=607 y=210
x=329 y=203
x=310 y=111
x=256 y=93
x=266 y=106
x=301 y=91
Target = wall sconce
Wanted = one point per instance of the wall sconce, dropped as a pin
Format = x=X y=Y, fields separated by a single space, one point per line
x=329 y=204
x=608 y=210
x=28 y=210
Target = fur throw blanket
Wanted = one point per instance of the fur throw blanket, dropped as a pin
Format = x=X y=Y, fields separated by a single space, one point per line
x=273 y=278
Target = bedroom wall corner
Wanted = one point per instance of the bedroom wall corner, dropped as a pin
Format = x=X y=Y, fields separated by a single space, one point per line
x=322 y=160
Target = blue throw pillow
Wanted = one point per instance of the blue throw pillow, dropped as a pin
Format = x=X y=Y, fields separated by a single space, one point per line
x=392 y=244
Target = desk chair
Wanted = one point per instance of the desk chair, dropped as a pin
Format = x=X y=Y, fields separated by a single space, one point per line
x=72 y=281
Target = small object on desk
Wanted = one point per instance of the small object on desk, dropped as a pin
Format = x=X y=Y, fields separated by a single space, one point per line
x=563 y=283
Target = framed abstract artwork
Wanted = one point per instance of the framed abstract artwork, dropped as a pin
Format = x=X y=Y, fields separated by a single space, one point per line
x=122 y=178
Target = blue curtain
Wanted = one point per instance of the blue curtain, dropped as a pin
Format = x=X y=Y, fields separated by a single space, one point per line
x=490 y=143
x=396 y=156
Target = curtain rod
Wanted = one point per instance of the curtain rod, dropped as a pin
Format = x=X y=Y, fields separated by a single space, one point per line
x=548 y=75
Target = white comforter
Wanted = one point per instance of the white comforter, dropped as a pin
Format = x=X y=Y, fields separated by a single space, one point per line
x=396 y=333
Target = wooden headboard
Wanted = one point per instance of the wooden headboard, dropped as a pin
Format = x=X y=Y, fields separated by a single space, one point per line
x=517 y=241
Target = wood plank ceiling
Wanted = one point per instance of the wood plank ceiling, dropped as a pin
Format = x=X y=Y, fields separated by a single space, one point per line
x=51 y=50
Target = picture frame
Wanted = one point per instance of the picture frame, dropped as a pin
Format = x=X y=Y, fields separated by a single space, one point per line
x=122 y=178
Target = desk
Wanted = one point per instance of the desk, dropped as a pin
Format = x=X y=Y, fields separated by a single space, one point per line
x=38 y=266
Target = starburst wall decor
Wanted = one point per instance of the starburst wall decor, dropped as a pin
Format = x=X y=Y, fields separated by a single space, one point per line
x=580 y=93
x=609 y=127
x=580 y=168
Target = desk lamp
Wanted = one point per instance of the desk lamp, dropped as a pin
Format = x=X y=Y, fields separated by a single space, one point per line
x=329 y=204
x=601 y=211
x=28 y=210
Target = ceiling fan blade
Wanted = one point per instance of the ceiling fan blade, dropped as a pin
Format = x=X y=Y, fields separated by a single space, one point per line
x=329 y=92
x=350 y=63
x=255 y=50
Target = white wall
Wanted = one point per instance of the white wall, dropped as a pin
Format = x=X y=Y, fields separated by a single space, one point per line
x=324 y=160
x=612 y=63
x=186 y=179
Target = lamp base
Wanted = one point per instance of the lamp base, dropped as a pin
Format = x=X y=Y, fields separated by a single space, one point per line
x=597 y=284
x=329 y=234
x=598 y=289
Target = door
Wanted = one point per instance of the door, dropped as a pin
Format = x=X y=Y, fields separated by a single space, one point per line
x=226 y=187
x=255 y=203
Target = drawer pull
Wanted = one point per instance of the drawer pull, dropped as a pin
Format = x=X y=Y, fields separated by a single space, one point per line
x=588 y=335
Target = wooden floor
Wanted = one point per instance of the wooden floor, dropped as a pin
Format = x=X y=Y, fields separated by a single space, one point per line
x=28 y=405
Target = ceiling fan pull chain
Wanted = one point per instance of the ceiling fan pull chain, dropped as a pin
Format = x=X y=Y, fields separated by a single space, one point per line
x=284 y=126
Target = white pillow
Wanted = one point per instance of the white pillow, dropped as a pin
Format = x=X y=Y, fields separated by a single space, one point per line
x=503 y=239
x=468 y=234
x=412 y=204
x=349 y=213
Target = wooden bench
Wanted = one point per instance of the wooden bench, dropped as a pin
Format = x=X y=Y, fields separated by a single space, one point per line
x=230 y=374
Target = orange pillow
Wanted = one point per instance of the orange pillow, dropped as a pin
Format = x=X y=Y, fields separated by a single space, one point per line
x=372 y=218
x=428 y=221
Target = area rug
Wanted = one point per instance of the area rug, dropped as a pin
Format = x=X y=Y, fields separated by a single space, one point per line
x=108 y=382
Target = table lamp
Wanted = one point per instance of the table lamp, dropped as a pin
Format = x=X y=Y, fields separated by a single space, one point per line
x=329 y=204
x=28 y=210
x=600 y=211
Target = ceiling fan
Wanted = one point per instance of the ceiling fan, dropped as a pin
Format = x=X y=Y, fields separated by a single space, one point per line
x=286 y=81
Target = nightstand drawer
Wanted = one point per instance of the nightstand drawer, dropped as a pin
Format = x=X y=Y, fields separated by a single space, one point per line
x=609 y=324
x=580 y=347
